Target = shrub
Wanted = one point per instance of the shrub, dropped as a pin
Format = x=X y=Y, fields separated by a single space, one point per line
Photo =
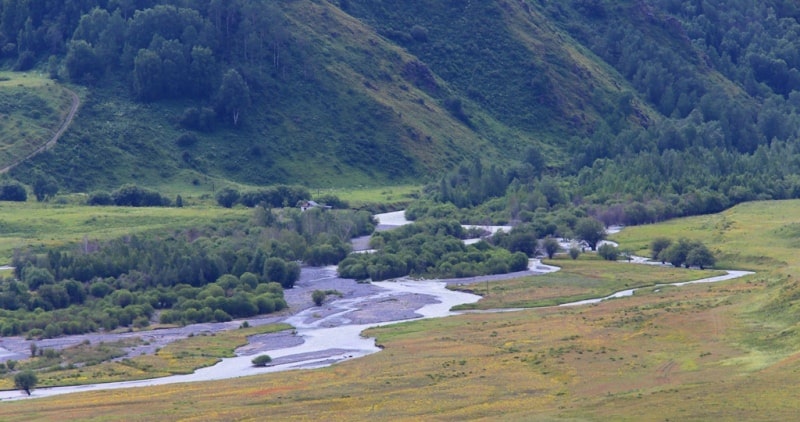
x=550 y=246
x=13 y=191
x=262 y=360
x=99 y=289
x=454 y=106
x=100 y=198
x=276 y=196
x=26 y=380
x=227 y=197
x=658 y=245
x=221 y=316
x=318 y=296
x=25 y=61
x=186 y=140
x=134 y=196
x=333 y=200
x=574 y=252
x=608 y=252
x=419 y=33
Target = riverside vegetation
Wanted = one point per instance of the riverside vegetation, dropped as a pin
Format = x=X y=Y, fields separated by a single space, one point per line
x=553 y=116
x=639 y=357
x=202 y=274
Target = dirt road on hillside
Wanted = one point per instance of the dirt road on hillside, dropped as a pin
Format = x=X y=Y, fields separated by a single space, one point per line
x=73 y=110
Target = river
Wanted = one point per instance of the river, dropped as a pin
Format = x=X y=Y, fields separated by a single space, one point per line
x=332 y=333
x=325 y=340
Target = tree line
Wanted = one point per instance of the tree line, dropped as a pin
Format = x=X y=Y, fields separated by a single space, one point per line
x=214 y=52
x=200 y=274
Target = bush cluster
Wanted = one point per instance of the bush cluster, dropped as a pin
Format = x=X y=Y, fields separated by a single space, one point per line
x=197 y=275
x=689 y=253
x=129 y=195
x=279 y=196
x=13 y=191
x=430 y=249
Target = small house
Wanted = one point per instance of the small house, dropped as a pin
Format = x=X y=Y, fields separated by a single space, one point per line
x=305 y=205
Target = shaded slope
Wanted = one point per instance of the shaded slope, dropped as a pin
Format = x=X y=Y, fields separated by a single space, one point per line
x=372 y=92
x=353 y=104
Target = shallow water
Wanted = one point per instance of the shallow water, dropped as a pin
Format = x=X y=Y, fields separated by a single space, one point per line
x=326 y=340
x=336 y=336
x=629 y=292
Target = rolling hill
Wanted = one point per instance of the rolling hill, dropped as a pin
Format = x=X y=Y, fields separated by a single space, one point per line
x=357 y=98
x=183 y=97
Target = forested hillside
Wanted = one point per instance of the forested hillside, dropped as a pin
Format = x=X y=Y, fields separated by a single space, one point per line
x=641 y=110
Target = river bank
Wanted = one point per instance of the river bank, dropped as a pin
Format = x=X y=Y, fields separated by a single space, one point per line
x=323 y=335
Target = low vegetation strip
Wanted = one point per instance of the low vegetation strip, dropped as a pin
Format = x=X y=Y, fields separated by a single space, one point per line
x=108 y=362
x=36 y=112
x=585 y=278
x=43 y=224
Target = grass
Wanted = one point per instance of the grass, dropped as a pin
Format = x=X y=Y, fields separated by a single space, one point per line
x=43 y=224
x=633 y=359
x=588 y=277
x=46 y=224
x=359 y=197
x=32 y=107
x=80 y=364
x=696 y=352
x=760 y=236
x=185 y=356
x=90 y=364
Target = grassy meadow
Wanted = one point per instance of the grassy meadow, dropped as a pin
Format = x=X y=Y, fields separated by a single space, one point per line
x=586 y=278
x=91 y=363
x=45 y=224
x=49 y=224
x=32 y=107
x=722 y=351
x=364 y=196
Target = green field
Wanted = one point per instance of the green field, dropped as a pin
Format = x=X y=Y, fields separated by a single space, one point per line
x=358 y=197
x=589 y=277
x=762 y=236
x=32 y=107
x=37 y=224
x=43 y=224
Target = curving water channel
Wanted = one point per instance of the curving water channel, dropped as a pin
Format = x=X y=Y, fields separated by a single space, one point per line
x=323 y=340
x=629 y=292
x=330 y=334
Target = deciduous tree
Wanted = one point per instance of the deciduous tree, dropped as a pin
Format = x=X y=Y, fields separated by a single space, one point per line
x=590 y=231
x=550 y=246
x=233 y=96
x=25 y=381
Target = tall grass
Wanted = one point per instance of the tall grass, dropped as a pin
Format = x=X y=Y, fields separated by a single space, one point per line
x=32 y=224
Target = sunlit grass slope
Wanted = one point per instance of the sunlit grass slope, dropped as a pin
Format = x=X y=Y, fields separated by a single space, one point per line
x=41 y=224
x=32 y=107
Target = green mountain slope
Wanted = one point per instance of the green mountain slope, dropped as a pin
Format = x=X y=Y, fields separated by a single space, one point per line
x=352 y=92
x=351 y=106
x=32 y=109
